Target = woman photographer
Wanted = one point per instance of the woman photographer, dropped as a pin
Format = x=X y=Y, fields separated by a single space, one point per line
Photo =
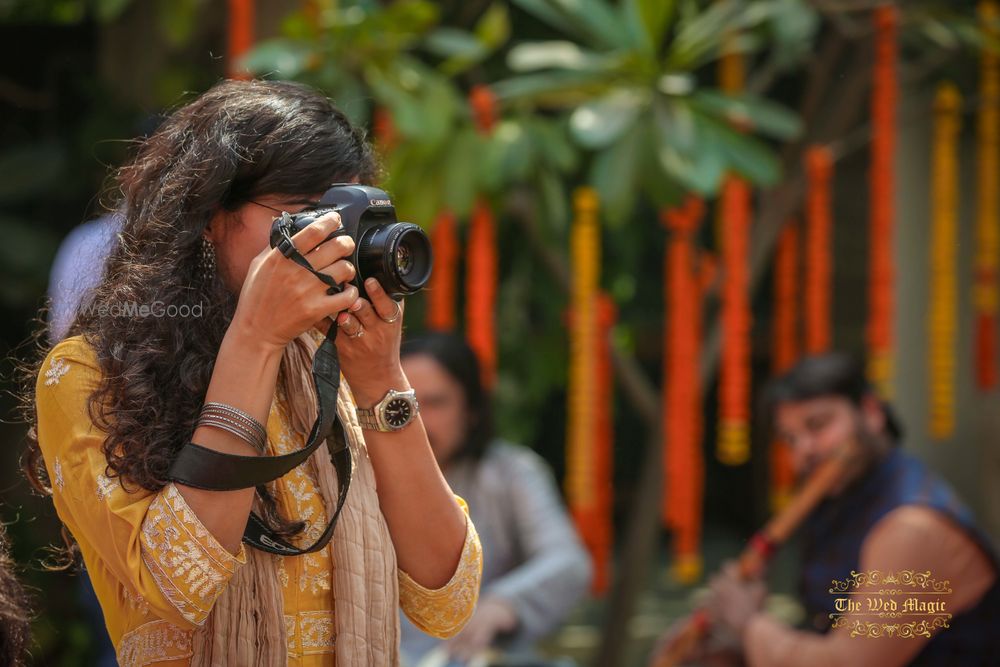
x=117 y=400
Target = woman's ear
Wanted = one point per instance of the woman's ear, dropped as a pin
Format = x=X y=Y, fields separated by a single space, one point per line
x=214 y=225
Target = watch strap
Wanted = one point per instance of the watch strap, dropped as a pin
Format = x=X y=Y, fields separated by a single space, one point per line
x=368 y=419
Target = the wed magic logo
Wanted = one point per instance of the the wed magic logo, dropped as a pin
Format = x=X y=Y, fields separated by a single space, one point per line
x=902 y=604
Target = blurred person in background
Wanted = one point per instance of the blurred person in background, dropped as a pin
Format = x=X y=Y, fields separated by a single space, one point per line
x=535 y=568
x=113 y=403
x=77 y=269
x=889 y=514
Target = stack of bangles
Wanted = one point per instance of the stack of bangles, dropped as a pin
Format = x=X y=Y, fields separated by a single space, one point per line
x=237 y=422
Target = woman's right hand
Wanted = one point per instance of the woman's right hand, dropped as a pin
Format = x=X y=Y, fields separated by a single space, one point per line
x=280 y=299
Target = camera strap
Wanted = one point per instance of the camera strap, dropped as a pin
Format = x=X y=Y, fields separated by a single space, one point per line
x=208 y=469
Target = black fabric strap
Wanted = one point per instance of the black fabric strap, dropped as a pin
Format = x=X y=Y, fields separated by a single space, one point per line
x=208 y=469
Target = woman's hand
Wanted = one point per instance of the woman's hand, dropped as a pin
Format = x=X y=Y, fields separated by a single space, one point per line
x=280 y=299
x=368 y=345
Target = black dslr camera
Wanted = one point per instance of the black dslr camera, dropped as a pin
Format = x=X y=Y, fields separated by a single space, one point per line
x=397 y=254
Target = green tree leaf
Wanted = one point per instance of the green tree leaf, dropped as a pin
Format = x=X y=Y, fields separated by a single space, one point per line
x=599 y=19
x=613 y=174
x=760 y=114
x=744 y=154
x=596 y=124
x=647 y=22
x=452 y=42
x=556 y=88
x=493 y=29
x=558 y=54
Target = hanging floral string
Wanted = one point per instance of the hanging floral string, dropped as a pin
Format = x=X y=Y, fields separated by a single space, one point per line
x=480 y=289
x=241 y=18
x=985 y=291
x=598 y=535
x=441 y=289
x=881 y=269
x=683 y=465
x=481 y=257
x=733 y=445
x=819 y=243
x=584 y=393
x=786 y=348
x=942 y=318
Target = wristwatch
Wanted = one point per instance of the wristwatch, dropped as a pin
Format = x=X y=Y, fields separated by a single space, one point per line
x=393 y=413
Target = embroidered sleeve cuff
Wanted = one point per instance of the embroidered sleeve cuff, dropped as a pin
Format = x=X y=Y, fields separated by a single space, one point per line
x=188 y=564
x=444 y=611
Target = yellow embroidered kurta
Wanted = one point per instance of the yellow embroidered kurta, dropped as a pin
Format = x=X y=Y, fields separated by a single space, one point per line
x=157 y=570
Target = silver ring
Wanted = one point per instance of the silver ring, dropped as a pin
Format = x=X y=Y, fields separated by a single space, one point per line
x=390 y=320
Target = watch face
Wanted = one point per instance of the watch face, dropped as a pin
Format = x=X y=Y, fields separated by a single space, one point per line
x=398 y=412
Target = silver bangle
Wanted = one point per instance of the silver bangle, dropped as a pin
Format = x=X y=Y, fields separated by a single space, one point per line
x=234 y=421
x=253 y=442
x=240 y=416
x=235 y=413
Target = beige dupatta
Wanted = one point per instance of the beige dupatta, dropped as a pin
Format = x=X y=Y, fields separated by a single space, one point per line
x=246 y=626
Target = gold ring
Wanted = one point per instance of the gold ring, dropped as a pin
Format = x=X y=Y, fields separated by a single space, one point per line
x=390 y=320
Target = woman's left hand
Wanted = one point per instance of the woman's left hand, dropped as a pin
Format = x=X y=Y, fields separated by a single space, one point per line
x=368 y=345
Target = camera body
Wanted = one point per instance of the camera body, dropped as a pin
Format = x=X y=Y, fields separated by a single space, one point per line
x=397 y=254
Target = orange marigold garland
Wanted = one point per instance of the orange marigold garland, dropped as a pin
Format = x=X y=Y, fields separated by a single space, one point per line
x=985 y=291
x=785 y=352
x=942 y=317
x=818 y=280
x=584 y=392
x=733 y=447
x=441 y=289
x=481 y=288
x=881 y=269
x=481 y=262
x=241 y=19
x=594 y=522
x=683 y=465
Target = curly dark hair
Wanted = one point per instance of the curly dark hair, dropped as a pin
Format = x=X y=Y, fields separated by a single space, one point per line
x=238 y=141
x=15 y=611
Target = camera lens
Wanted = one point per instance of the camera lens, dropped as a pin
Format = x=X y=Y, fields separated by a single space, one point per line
x=404 y=260
x=398 y=254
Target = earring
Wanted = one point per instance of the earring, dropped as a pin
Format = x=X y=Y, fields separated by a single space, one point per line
x=206 y=260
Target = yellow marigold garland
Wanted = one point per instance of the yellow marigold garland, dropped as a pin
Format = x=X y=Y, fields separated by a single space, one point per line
x=942 y=316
